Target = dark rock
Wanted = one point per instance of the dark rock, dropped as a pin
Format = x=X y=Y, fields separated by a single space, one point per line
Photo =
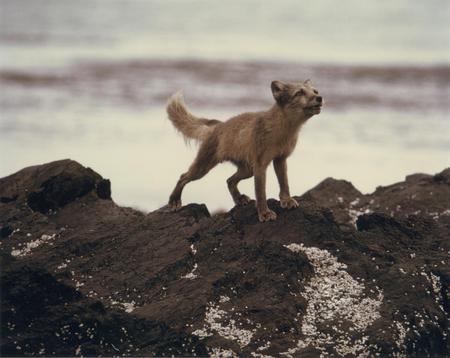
x=59 y=191
x=104 y=189
x=51 y=186
x=381 y=223
x=43 y=316
x=331 y=187
x=5 y=231
x=195 y=211
x=335 y=195
x=417 y=177
x=5 y=199
x=345 y=274
x=443 y=177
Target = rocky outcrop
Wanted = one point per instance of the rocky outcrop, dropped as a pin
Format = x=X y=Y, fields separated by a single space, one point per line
x=345 y=274
x=50 y=187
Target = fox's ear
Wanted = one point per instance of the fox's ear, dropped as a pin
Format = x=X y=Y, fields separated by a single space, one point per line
x=308 y=83
x=279 y=91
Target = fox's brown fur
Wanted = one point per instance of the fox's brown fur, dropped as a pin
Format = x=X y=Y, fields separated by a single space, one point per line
x=250 y=140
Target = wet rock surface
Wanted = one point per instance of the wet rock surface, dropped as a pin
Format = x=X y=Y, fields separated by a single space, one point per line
x=345 y=274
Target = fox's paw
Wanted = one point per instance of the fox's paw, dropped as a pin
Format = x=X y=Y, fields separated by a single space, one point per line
x=174 y=205
x=289 y=203
x=267 y=215
x=243 y=200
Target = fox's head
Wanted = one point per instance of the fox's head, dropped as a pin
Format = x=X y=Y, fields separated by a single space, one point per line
x=297 y=98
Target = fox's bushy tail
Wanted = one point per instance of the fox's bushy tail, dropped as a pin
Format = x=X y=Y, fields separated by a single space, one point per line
x=186 y=123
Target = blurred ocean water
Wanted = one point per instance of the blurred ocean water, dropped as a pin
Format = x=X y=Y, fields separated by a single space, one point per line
x=59 y=31
x=89 y=80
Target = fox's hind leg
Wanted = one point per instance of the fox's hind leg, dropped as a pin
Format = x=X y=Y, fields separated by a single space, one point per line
x=203 y=163
x=243 y=172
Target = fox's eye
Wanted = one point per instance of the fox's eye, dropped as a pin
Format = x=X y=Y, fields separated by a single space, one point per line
x=316 y=91
x=299 y=93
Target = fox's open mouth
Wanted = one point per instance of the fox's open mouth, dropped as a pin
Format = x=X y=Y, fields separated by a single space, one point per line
x=315 y=108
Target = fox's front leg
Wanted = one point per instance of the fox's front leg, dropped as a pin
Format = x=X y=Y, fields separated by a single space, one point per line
x=286 y=201
x=264 y=213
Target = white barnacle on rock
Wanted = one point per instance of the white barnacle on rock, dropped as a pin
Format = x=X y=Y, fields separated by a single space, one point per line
x=224 y=299
x=219 y=321
x=222 y=353
x=434 y=215
x=260 y=355
x=30 y=246
x=335 y=298
x=78 y=351
x=62 y=266
x=400 y=332
x=354 y=213
x=193 y=249
x=191 y=275
x=436 y=285
x=125 y=306
x=264 y=347
x=355 y=202
x=129 y=306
